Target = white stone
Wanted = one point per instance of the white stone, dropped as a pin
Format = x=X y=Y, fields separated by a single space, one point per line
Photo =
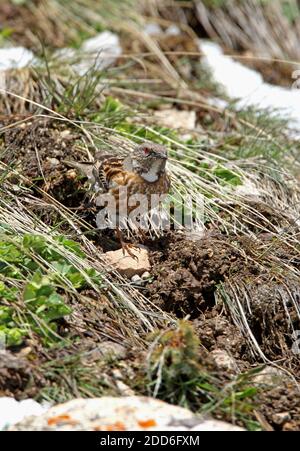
x=173 y=30
x=124 y=413
x=281 y=418
x=173 y=118
x=152 y=29
x=248 y=189
x=12 y=411
x=270 y=376
x=52 y=162
x=223 y=360
x=112 y=349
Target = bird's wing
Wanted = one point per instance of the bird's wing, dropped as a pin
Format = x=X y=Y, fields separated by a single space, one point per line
x=111 y=172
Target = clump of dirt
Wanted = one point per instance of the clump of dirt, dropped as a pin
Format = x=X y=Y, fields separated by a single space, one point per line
x=37 y=149
x=34 y=142
x=186 y=273
x=190 y=277
x=216 y=331
x=281 y=407
x=16 y=376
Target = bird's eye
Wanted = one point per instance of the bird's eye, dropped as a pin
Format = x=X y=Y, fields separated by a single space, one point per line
x=146 y=151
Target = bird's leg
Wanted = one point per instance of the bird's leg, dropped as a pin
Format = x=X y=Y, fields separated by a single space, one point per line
x=143 y=234
x=125 y=246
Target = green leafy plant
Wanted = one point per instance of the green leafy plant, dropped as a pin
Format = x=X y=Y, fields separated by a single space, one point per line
x=36 y=278
x=226 y=176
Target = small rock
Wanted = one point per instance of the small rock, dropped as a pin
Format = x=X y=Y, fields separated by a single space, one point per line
x=224 y=360
x=52 y=162
x=117 y=374
x=114 y=349
x=173 y=30
x=152 y=29
x=281 y=418
x=106 y=350
x=58 y=153
x=270 y=376
x=146 y=275
x=127 y=265
x=25 y=351
x=65 y=133
x=124 y=389
x=249 y=189
x=288 y=427
x=173 y=118
x=137 y=280
x=71 y=174
x=16 y=188
x=11 y=361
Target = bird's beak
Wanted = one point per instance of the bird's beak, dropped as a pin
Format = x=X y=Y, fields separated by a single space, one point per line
x=163 y=157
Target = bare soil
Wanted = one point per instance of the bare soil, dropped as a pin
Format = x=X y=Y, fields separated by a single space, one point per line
x=36 y=149
x=187 y=272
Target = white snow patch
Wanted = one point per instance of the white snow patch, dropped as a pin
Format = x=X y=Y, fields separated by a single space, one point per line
x=173 y=30
x=248 y=86
x=152 y=29
x=15 y=58
x=98 y=53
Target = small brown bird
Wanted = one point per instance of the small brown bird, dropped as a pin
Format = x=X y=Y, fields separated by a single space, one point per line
x=142 y=172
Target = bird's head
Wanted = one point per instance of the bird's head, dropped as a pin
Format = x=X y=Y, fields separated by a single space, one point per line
x=149 y=160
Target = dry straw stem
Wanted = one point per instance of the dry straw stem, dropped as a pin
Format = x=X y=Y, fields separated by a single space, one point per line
x=260 y=27
x=282 y=198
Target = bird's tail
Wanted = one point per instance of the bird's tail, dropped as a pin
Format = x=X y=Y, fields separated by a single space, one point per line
x=86 y=168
